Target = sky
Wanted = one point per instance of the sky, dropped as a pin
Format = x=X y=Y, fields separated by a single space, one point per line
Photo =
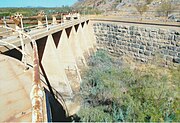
x=36 y=3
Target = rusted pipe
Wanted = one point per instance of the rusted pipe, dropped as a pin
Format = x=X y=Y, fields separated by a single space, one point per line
x=36 y=92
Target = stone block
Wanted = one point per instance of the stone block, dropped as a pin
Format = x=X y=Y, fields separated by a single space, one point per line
x=162 y=31
x=162 y=47
x=169 y=58
x=176 y=60
x=178 y=49
x=141 y=51
x=147 y=53
x=155 y=45
x=173 y=48
x=123 y=43
x=142 y=29
x=177 y=33
x=120 y=46
x=178 y=44
x=147 y=29
x=135 y=50
x=172 y=53
x=125 y=48
x=124 y=31
x=137 y=33
x=152 y=34
x=171 y=37
x=114 y=41
x=134 y=40
x=136 y=46
x=153 y=53
x=173 y=42
x=176 y=37
x=133 y=28
x=119 y=42
x=122 y=35
x=131 y=32
x=149 y=43
x=178 y=55
x=165 y=52
x=149 y=48
x=141 y=47
x=154 y=29
x=129 y=49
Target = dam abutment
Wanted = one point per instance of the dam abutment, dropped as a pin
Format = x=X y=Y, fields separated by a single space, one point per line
x=140 y=41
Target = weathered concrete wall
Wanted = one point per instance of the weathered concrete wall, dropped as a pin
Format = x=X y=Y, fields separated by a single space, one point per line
x=141 y=42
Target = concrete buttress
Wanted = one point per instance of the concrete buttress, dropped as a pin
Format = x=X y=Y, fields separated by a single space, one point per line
x=92 y=36
x=88 y=37
x=54 y=71
x=65 y=53
x=66 y=56
x=74 y=43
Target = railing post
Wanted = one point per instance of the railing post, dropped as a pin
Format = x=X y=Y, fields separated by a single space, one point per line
x=47 y=23
x=4 y=20
x=22 y=27
x=61 y=18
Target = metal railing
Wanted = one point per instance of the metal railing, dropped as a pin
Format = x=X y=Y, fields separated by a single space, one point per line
x=6 y=33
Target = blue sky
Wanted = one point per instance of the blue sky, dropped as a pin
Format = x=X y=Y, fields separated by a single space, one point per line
x=36 y=3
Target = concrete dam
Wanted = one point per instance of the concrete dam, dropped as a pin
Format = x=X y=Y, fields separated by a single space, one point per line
x=57 y=55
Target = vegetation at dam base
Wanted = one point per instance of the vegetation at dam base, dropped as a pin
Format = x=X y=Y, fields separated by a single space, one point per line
x=114 y=92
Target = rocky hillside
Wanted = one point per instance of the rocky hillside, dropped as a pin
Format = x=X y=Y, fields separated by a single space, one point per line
x=118 y=4
x=129 y=7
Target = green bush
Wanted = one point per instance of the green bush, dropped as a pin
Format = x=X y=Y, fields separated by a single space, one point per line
x=118 y=94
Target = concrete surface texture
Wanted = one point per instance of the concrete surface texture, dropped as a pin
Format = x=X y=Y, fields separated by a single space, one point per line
x=15 y=87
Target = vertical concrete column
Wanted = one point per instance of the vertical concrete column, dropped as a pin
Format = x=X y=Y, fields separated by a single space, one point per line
x=40 y=22
x=71 y=16
x=39 y=17
x=54 y=21
x=54 y=71
x=64 y=18
x=78 y=15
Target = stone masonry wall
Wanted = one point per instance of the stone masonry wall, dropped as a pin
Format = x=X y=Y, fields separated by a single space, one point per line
x=140 y=42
